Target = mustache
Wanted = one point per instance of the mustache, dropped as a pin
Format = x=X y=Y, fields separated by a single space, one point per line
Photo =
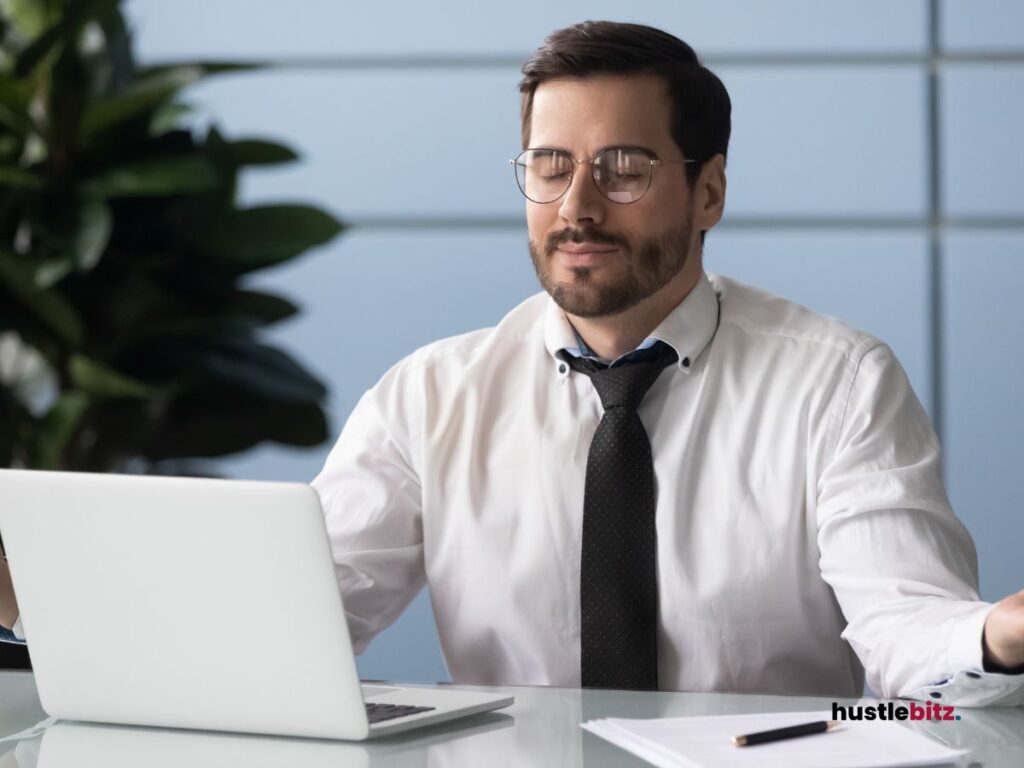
x=590 y=235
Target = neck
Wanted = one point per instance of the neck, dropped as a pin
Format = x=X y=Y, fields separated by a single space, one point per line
x=612 y=336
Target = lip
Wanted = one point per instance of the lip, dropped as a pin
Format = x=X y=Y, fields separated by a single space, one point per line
x=575 y=248
x=585 y=256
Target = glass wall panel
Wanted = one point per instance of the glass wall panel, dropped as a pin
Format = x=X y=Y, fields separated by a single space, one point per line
x=984 y=407
x=318 y=28
x=982 y=25
x=836 y=142
x=982 y=125
x=827 y=141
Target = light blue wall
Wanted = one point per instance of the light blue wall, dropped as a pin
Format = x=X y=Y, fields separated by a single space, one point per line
x=985 y=414
x=408 y=111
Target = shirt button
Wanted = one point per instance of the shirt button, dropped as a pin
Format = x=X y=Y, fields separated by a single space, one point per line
x=686 y=362
x=935 y=695
x=974 y=675
x=561 y=368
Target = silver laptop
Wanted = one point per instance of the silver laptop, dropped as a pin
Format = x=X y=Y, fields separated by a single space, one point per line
x=194 y=603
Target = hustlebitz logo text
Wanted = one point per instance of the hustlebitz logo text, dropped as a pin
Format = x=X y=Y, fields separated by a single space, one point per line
x=891 y=711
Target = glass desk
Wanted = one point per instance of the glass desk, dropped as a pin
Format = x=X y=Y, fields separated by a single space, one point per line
x=540 y=729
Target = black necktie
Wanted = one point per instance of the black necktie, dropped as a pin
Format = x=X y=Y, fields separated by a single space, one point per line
x=619 y=564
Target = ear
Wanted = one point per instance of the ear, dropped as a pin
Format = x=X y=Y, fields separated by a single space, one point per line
x=709 y=194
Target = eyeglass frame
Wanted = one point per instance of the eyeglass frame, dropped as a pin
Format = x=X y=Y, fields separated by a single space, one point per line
x=651 y=157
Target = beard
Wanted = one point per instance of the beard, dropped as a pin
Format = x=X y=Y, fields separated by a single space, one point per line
x=649 y=266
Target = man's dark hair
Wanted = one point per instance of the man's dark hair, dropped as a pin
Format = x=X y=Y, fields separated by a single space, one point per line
x=700 y=104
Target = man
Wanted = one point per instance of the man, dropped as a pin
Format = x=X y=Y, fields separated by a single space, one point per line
x=648 y=477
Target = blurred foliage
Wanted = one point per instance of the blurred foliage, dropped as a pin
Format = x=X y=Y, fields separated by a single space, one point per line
x=127 y=339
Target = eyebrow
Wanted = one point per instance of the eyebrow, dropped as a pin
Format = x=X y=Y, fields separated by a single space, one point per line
x=605 y=148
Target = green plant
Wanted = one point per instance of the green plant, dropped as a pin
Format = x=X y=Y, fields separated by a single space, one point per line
x=128 y=340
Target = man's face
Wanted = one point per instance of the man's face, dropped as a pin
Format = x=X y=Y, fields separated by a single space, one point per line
x=594 y=256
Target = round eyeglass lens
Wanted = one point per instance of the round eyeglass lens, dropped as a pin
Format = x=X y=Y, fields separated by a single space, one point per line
x=543 y=175
x=623 y=175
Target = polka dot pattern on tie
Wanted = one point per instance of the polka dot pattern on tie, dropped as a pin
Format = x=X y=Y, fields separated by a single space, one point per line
x=618 y=577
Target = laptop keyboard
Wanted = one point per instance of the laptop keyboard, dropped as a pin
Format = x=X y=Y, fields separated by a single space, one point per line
x=377 y=713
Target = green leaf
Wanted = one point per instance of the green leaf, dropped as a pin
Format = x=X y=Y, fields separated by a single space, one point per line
x=28 y=18
x=92 y=234
x=15 y=92
x=47 y=305
x=13 y=422
x=142 y=96
x=263 y=308
x=10 y=146
x=166 y=118
x=232 y=312
x=193 y=325
x=260 y=369
x=204 y=67
x=74 y=15
x=55 y=430
x=42 y=45
x=217 y=421
x=253 y=152
x=16 y=177
x=15 y=96
x=51 y=271
x=258 y=237
x=164 y=176
x=97 y=379
x=134 y=297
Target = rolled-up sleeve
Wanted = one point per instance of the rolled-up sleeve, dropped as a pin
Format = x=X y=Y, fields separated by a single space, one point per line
x=370 y=492
x=903 y=568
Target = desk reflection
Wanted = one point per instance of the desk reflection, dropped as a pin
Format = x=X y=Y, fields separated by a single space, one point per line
x=541 y=729
x=90 y=745
x=534 y=736
x=994 y=736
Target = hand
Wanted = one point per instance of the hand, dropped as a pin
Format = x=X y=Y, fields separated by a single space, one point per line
x=8 y=603
x=1003 y=637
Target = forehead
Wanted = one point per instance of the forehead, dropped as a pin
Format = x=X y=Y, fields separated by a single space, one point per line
x=584 y=113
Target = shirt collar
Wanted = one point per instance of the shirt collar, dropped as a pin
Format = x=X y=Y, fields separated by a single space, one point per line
x=688 y=329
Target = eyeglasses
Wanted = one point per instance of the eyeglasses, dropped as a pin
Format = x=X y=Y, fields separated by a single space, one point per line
x=622 y=174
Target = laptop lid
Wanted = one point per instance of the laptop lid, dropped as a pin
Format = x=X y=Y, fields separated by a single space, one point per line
x=249 y=635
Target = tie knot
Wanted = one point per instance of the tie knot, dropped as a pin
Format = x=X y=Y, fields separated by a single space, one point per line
x=624 y=385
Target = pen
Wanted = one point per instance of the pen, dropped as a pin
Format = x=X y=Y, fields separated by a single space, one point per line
x=778 y=734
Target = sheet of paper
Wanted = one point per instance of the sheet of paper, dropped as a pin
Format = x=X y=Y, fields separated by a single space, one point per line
x=30 y=733
x=701 y=742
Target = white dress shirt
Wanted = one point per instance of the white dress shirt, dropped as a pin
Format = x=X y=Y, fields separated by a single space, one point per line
x=803 y=528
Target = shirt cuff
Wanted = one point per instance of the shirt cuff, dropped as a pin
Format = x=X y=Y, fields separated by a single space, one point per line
x=970 y=685
x=18 y=631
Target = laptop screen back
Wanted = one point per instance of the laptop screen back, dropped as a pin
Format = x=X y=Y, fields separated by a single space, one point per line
x=193 y=603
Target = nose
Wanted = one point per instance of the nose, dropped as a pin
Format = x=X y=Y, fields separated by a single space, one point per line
x=583 y=201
